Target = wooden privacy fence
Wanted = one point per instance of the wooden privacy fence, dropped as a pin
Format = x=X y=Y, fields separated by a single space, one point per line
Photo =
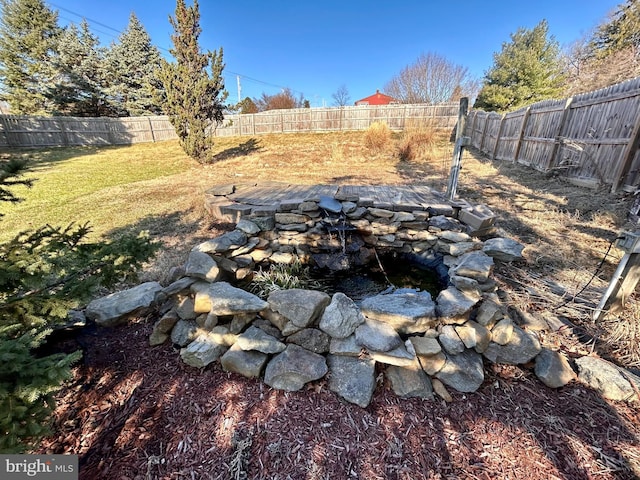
x=398 y=117
x=591 y=138
x=25 y=131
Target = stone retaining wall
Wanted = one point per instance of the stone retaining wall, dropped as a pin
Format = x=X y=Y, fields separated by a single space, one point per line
x=299 y=336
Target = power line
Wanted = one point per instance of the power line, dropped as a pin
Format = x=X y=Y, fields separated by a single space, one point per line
x=165 y=49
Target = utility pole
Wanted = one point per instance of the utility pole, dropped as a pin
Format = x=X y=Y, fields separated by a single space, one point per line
x=239 y=89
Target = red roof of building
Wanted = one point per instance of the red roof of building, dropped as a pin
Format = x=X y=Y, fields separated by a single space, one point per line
x=377 y=99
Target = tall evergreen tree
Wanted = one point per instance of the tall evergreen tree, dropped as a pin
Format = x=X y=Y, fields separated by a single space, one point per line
x=193 y=98
x=29 y=34
x=621 y=31
x=527 y=70
x=79 y=86
x=132 y=65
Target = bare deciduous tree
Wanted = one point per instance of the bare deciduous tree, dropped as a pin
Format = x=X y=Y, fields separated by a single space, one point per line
x=432 y=79
x=280 y=101
x=341 y=96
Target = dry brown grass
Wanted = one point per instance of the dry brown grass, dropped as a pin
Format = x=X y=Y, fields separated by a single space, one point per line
x=377 y=137
x=419 y=141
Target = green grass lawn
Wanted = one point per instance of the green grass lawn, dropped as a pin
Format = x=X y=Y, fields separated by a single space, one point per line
x=91 y=184
x=140 y=186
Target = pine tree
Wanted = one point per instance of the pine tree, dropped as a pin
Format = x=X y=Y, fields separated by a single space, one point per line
x=43 y=274
x=621 y=31
x=79 y=86
x=193 y=99
x=28 y=39
x=527 y=70
x=132 y=65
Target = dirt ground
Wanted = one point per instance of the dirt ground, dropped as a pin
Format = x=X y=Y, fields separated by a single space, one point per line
x=135 y=412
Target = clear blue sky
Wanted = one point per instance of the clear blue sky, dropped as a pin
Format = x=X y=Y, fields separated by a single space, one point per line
x=313 y=47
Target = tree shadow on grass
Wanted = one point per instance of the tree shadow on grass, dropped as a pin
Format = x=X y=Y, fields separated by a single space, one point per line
x=45 y=157
x=242 y=150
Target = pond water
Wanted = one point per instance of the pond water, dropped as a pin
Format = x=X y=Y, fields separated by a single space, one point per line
x=359 y=283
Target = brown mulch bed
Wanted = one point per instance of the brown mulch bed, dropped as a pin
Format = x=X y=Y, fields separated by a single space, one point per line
x=135 y=412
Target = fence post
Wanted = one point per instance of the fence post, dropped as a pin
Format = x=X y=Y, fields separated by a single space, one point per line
x=627 y=157
x=495 y=147
x=484 y=132
x=525 y=117
x=456 y=162
x=561 y=128
x=153 y=137
x=63 y=131
x=7 y=134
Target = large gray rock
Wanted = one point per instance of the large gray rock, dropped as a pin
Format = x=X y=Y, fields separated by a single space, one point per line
x=474 y=335
x=341 y=317
x=378 y=336
x=401 y=356
x=425 y=345
x=201 y=265
x=246 y=363
x=522 y=348
x=293 y=368
x=454 y=306
x=352 y=378
x=256 y=339
x=224 y=242
x=162 y=328
x=503 y=249
x=248 y=227
x=178 y=286
x=432 y=364
x=184 y=331
x=221 y=298
x=407 y=312
x=205 y=349
x=312 y=339
x=553 y=369
x=477 y=265
x=301 y=307
x=464 y=372
x=185 y=310
x=450 y=340
x=613 y=382
x=410 y=381
x=502 y=331
x=330 y=204
x=116 y=308
x=345 y=346
x=489 y=313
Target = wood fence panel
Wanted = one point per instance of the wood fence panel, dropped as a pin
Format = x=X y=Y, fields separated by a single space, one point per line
x=161 y=128
x=508 y=142
x=87 y=131
x=598 y=127
x=479 y=121
x=540 y=134
x=588 y=138
x=397 y=117
x=492 y=128
x=4 y=142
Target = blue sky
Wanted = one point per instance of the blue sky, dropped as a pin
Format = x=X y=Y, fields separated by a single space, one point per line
x=313 y=47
